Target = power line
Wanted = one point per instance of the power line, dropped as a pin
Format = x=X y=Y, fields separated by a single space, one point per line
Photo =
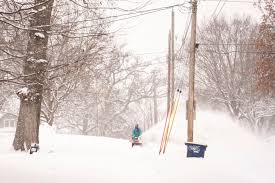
x=151 y=53
x=207 y=44
x=86 y=6
x=232 y=1
x=220 y=9
x=120 y=17
x=152 y=10
x=185 y=33
x=215 y=9
x=188 y=23
x=236 y=51
x=138 y=15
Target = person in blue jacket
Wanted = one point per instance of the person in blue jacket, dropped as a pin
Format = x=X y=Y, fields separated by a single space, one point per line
x=136 y=133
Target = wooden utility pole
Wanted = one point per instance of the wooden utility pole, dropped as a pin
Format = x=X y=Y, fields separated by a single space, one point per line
x=151 y=121
x=173 y=57
x=155 y=98
x=190 y=109
x=169 y=73
x=171 y=64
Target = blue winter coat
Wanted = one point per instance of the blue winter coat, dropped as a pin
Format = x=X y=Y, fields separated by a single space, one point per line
x=136 y=132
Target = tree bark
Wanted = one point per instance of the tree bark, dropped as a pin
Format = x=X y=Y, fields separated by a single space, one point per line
x=34 y=69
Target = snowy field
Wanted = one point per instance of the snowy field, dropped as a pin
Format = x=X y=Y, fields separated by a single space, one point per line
x=232 y=156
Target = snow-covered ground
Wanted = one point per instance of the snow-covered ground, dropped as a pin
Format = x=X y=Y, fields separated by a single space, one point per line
x=232 y=156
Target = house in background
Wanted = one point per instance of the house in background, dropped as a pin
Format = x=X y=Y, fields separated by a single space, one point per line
x=8 y=120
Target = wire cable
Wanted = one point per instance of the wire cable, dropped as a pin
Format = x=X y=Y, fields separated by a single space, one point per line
x=215 y=9
x=231 y=1
x=220 y=9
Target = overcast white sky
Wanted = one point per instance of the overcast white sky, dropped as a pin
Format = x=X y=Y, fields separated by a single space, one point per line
x=148 y=33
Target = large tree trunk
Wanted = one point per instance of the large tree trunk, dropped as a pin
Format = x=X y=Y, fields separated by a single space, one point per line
x=35 y=67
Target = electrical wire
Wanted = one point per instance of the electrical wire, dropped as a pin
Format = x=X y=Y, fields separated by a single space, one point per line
x=220 y=9
x=208 y=44
x=124 y=16
x=215 y=9
x=143 y=11
x=248 y=52
x=182 y=46
x=185 y=33
x=232 y=1
x=86 y=6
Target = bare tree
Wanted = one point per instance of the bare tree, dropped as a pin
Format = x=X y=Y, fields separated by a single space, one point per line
x=79 y=40
x=79 y=33
x=265 y=67
x=34 y=69
x=226 y=67
x=105 y=98
x=63 y=43
x=266 y=44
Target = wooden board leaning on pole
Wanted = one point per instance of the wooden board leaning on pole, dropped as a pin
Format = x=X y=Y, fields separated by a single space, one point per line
x=170 y=117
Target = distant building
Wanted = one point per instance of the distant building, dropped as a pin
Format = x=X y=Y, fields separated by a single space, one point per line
x=8 y=120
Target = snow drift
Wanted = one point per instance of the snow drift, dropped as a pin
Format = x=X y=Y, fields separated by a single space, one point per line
x=233 y=155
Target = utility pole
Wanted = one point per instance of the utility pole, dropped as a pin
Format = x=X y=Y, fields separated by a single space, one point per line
x=173 y=56
x=171 y=64
x=97 y=111
x=155 y=98
x=151 y=116
x=169 y=73
x=190 y=109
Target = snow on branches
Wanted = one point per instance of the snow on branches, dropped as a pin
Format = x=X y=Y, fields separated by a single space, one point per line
x=26 y=94
x=40 y=35
x=33 y=60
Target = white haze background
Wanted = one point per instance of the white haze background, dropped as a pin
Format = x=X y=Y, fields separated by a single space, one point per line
x=147 y=36
x=233 y=154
